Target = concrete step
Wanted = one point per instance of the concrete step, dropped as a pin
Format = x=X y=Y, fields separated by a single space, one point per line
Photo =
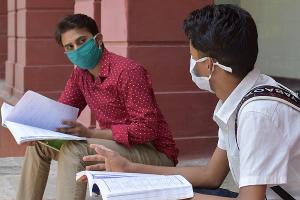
x=10 y=169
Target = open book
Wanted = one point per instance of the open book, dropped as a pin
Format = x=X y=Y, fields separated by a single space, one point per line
x=36 y=117
x=134 y=186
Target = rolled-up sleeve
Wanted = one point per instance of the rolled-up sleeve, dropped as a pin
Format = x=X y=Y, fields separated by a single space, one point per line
x=136 y=91
x=264 y=151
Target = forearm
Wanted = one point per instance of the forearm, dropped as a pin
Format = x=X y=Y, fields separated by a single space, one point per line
x=198 y=176
x=133 y=134
x=101 y=134
x=209 y=197
x=123 y=131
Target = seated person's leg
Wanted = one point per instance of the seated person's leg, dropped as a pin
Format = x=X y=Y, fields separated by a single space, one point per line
x=216 y=192
x=143 y=153
x=35 y=170
x=70 y=162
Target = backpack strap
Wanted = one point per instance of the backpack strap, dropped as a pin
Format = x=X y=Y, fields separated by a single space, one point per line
x=267 y=92
x=282 y=193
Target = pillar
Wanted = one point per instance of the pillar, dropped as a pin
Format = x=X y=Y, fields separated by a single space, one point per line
x=3 y=37
x=91 y=8
x=34 y=60
x=40 y=63
x=11 y=47
x=150 y=32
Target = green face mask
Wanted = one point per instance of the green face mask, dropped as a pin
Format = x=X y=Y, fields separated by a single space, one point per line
x=87 y=55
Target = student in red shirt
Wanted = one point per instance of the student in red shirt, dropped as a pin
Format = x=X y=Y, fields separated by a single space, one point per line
x=119 y=93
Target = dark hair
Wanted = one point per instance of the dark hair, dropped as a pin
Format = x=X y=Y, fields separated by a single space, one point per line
x=226 y=33
x=75 y=21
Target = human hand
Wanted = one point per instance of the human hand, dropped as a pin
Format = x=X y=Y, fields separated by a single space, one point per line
x=75 y=128
x=113 y=161
x=31 y=143
x=196 y=196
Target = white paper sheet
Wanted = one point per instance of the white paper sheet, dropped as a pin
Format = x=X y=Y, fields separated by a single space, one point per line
x=35 y=117
x=5 y=110
x=24 y=133
x=36 y=110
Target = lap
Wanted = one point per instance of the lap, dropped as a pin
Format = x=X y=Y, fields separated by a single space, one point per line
x=143 y=153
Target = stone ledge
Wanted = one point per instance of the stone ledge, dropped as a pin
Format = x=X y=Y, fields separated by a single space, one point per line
x=10 y=169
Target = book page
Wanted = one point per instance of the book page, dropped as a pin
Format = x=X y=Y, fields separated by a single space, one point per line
x=132 y=186
x=5 y=110
x=104 y=174
x=39 y=111
x=93 y=176
x=24 y=133
x=138 y=184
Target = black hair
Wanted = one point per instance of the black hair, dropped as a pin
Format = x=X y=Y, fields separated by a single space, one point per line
x=226 y=33
x=75 y=21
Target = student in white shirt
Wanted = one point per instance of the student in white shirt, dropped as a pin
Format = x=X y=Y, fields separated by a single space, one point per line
x=266 y=152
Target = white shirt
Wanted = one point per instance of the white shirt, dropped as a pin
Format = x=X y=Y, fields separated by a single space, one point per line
x=268 y=137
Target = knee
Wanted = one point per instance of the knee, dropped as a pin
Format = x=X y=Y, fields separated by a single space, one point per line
x=73 y=148
x=70 y=156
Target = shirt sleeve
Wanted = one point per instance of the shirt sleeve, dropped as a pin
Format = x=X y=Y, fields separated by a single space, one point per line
x=136 y=91
x=72 y=94
x=264 y=151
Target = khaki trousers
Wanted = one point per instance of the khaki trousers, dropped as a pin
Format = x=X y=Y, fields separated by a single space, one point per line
x=38 y=158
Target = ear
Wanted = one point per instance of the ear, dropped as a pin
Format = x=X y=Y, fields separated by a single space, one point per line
x=210 y=64
x=99 y=39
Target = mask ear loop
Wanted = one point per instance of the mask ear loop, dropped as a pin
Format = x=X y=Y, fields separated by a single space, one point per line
x=95 y=36
x=215 y=62
x=228 y=69
x=212 y=70
x=201 y=59
x=198 y=61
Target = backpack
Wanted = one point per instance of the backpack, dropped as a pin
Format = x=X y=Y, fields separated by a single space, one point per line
x=267 y=92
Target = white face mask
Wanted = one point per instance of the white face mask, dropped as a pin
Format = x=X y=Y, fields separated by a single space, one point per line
x=202 y=81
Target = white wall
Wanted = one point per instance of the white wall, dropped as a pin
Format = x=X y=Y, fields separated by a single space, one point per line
x=278 y=24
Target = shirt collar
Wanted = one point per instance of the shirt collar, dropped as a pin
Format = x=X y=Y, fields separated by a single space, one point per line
x=105 y=64
x=225 y=109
